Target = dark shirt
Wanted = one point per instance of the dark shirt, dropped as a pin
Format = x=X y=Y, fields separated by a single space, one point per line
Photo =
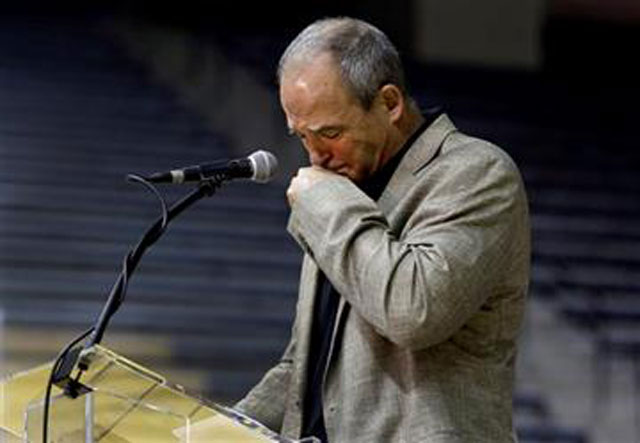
x=326 y=306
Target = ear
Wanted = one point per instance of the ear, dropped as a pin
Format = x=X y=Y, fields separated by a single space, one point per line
x=393 y=101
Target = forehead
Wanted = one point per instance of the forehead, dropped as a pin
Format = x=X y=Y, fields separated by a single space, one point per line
x=312 y=93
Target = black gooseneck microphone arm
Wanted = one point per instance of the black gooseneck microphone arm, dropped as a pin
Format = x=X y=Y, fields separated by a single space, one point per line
x=66 y=361
x=116 y=296
x=62 y=371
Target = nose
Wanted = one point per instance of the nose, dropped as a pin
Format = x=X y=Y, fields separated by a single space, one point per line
x=318 y=159
x=317 y=155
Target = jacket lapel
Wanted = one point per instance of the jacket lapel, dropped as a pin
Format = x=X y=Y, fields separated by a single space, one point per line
x=423 y=151
x=309 y=288
x=336 y=337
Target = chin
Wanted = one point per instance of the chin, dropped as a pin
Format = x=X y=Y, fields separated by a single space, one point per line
x=356 y=178
x=349 y=174
x=346 y=173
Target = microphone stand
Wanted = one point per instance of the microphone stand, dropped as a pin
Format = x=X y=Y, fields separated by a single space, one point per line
x=62 y=370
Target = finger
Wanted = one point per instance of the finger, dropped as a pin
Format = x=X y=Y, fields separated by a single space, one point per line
x=290 y=196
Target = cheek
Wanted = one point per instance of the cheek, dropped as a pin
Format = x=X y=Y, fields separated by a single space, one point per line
x=341 y=150
x=344 y=149
x=356 y=155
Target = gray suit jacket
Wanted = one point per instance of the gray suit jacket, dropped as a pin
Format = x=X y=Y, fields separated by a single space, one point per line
x=435 y=274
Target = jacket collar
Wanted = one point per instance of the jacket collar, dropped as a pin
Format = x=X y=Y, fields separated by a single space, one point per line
x=427 y=145
x=419 y=155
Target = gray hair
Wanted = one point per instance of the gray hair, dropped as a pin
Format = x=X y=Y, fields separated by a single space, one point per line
x=366 y=57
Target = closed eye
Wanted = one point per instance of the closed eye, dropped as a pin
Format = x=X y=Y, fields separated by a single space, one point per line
x=330 y=132
x=294 y=133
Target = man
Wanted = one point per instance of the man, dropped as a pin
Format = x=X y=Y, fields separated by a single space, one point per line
x=416 y=242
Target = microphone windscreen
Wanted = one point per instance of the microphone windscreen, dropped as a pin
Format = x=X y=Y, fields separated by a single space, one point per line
x=264 y=164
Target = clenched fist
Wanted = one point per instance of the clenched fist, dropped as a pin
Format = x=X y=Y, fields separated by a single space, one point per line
x=304 y=179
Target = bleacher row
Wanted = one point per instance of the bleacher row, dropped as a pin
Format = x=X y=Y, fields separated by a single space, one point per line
x=219 y=288
x=217 y=291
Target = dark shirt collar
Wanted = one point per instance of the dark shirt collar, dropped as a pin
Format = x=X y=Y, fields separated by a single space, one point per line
x=374 y=186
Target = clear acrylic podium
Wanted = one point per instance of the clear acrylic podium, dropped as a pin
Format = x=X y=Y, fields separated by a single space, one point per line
x=126 y=403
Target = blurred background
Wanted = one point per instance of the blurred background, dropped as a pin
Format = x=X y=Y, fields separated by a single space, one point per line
x=89 y=93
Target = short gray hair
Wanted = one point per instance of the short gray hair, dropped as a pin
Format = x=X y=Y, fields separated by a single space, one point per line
x=365 y=56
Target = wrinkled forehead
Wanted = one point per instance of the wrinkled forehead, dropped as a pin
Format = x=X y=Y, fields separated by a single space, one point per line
x=318 y=72
x=313 y=88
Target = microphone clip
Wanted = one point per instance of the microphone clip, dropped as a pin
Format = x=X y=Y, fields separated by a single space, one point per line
x=209 y=185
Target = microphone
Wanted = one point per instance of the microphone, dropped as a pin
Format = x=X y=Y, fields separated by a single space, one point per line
x=260 y=167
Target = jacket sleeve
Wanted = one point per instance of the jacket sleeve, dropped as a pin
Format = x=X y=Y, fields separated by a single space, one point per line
x=466 y=226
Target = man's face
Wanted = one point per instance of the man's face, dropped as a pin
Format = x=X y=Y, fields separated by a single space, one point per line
x=337 y=133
